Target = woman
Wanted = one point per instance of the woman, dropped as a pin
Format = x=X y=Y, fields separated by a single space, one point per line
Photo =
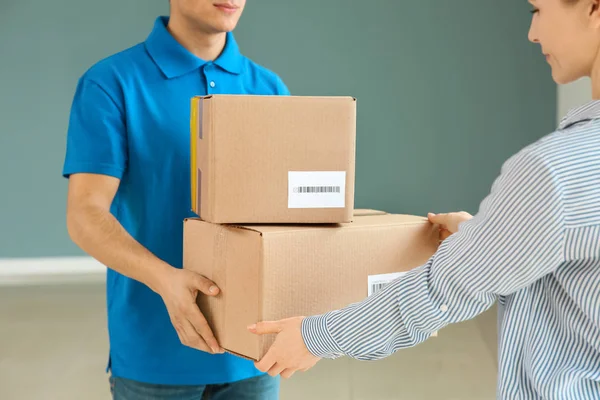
x=534 y=247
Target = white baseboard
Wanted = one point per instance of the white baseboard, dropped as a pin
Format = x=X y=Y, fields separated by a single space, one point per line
x=50 y=270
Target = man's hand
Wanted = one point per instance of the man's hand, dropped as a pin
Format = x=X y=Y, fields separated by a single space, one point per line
x=179 y=290
x=449 y=222
x=289 y=353
x=92 y=226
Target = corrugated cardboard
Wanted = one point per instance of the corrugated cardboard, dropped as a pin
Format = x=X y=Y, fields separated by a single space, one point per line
x=273 y=159
x=276 y=272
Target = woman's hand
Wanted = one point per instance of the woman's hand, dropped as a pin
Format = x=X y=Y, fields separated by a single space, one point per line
x=449 y=222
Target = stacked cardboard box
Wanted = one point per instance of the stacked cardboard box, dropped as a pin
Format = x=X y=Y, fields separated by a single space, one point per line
x=273 y=184
x=273 y=159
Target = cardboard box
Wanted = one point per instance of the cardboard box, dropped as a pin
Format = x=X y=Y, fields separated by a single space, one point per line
x=273 y=159
x=275 y=272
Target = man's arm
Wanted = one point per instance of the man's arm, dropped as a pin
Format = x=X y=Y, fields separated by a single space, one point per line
x=516 y=239
x=95 y=162
x=97 y=232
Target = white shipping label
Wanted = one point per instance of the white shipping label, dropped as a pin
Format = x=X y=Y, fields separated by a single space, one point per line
x=378 y=282
x=316 y=189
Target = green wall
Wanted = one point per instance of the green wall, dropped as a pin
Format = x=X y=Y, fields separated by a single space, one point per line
x=446 y=90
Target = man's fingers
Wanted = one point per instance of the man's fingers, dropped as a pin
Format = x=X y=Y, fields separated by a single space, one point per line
x=202 y=329
x=205 y=285
x=180 y=333
x=264 y=328
x=189 y=337
x=287 y=373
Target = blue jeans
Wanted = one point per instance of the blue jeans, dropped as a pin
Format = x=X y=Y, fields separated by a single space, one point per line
x=263 y=387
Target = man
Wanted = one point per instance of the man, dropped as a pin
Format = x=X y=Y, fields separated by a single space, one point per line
x=534 y=247
x=127 y=160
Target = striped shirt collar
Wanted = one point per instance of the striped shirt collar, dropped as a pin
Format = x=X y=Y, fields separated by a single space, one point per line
x=586 y=112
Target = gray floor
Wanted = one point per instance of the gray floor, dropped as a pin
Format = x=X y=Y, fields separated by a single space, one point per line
x=53 y=346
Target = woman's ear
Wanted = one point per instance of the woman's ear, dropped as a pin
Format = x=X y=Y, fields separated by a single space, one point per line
x=594 y=8
x=594 y=13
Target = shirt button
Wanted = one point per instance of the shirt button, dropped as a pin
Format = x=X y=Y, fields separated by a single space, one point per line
x=212 y=84
x=443 y=308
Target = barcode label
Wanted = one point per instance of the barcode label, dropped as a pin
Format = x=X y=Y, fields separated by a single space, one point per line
x=377 y=287
x=378 y=282
x=316 y=189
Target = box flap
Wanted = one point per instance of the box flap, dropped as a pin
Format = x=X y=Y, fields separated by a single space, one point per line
x=367 y=212
x=240 y=355
x=225 y=95
x=251 y=228
x=361 y=222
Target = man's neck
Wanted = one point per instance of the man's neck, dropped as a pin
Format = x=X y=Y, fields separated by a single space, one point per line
x=207 y=46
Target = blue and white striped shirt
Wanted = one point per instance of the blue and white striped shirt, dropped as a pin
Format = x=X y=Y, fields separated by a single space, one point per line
x=534 y=246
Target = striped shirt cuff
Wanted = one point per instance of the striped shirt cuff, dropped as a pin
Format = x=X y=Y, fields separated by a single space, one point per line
x=317 y=338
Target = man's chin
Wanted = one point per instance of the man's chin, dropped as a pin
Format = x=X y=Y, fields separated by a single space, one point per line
x=225 y=26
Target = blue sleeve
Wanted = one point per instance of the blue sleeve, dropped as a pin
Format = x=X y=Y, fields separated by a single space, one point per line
x=516 y=238
x=96 y=137
x=282 y=89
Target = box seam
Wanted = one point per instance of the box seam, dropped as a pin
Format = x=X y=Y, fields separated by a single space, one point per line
x=260 y=291
x=193 y=156
x=212 y=159
x=349 y=226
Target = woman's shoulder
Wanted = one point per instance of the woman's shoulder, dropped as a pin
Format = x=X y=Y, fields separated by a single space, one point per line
x=571 y=145
x=564 y=154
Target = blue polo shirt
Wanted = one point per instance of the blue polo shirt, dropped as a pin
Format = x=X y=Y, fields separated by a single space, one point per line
x=130 y=120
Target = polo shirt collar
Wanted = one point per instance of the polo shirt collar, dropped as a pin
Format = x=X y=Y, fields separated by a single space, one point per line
x=586 y=112
x=175 y=60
